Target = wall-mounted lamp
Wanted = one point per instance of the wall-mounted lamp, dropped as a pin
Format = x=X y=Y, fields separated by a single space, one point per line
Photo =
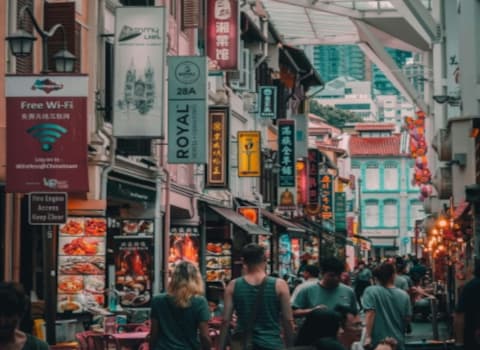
x=21 y=44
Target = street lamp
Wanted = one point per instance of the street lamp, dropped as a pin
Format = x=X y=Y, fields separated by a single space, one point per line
x=21 y=44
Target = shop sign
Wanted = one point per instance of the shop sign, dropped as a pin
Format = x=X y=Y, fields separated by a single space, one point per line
x=81 y=264
x=350 y=226
x=140 y=53
x=268 y=102
x=340 y=211
x=134 y=266
x=47 y=208
x=326 y=196
x=217 y=173
x=286 y=152
x=313 y=188
x=250 y=213
x=123 y=190
x=301 y=136
x=222 y=34
x=187 y=109
x=46 y=133
x=249 y=155
x=302 y=190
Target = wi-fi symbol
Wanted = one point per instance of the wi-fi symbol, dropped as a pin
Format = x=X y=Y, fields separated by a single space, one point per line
x=47 y=134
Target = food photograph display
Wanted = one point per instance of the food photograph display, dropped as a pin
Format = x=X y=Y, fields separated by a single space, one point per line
x=81 y=264
x=184 y=246
x=218 y=257
x=134 y=270
x=137 y=227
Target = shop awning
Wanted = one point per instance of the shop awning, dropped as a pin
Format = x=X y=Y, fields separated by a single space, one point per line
x=277 y=220
x=461 y=209
x=239 y=221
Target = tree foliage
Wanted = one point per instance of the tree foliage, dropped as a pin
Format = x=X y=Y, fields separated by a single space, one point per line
x=333 y=116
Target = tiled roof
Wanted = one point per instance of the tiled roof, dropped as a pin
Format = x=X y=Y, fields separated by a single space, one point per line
x=374 y=126
x=332 y=148
x=375 y=146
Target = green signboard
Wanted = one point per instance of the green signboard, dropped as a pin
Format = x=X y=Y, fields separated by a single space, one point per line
x=340 y=211
x=187 y=109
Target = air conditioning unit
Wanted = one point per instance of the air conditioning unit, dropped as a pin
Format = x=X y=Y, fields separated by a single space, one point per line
x=442 y=144
x=442 y=181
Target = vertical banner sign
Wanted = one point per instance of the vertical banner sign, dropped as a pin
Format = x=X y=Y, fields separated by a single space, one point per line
x=139 y=71
x=222 y=34
x=313 y=188
x=217 y=173
x=350 y=224
x=301 y=135
x=46 y=133
x=268 y=102
x=249 y=155
x=340 y=212
x=326 y=196
x=302 y=179
x=187 y=109
x=286 y=155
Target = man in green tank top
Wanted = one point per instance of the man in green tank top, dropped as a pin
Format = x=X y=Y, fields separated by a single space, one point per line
x=273 y=309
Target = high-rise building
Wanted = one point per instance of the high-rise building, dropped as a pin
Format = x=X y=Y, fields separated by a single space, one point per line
x=333 y=61
x=380 y=81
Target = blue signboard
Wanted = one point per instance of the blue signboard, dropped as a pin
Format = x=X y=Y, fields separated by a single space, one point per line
x=268 y=102
x=286 y=151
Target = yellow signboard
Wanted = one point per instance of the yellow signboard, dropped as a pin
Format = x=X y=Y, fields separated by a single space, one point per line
x=249 y=155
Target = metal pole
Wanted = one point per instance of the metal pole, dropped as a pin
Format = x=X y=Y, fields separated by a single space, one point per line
x=434 y=311
x=49 y=282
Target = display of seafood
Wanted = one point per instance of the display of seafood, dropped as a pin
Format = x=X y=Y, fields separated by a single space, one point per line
x=82 y=265
x=95 y=227
x=72 y=227
x=70 y=284
x=81 y=246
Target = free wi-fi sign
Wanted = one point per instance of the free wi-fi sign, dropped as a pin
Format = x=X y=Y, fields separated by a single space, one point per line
x=47 y=134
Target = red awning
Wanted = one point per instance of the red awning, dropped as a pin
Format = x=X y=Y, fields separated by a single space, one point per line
x=461 y=209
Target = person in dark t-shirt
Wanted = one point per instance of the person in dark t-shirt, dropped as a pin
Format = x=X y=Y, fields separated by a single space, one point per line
x=467 y=316
x=13 y=304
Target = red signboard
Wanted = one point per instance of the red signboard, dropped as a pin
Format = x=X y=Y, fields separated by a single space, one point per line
x=46 y=133
x=302 y=189
x=222 y=34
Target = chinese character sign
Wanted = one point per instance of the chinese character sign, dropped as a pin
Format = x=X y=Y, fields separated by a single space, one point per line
x=326 y=196
x=286 y=152
x=313 y=191
x=340 y=211
x=249 y=153
x=46 y=133
x=222 y=33
x=217 y=175
x=268 y=102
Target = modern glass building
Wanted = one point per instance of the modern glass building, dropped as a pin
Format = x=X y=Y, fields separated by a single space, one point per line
x=332 y=61
x=379 y=81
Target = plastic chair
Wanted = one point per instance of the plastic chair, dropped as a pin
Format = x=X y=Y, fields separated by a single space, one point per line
x=82 y=340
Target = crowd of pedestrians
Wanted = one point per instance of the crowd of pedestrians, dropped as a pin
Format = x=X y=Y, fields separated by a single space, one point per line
x=260 y=313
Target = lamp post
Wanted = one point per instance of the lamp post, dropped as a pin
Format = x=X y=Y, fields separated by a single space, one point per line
x=21 y=44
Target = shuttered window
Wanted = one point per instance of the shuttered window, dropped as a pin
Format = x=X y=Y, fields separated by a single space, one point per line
x=372 y=177
x=62 y=13
x=24 y=65
x=390 y=176
x=371 y=213
x=390 y=213
x=190 y=13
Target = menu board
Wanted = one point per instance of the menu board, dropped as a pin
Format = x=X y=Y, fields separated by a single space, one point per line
x=184 y=246
x=81 y=264
x=219 y=261
x=133 y=257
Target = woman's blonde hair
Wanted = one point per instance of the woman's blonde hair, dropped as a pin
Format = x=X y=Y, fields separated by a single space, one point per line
x=186 y=282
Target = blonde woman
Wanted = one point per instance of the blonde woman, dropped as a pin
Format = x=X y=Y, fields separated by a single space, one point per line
x=179 y=318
